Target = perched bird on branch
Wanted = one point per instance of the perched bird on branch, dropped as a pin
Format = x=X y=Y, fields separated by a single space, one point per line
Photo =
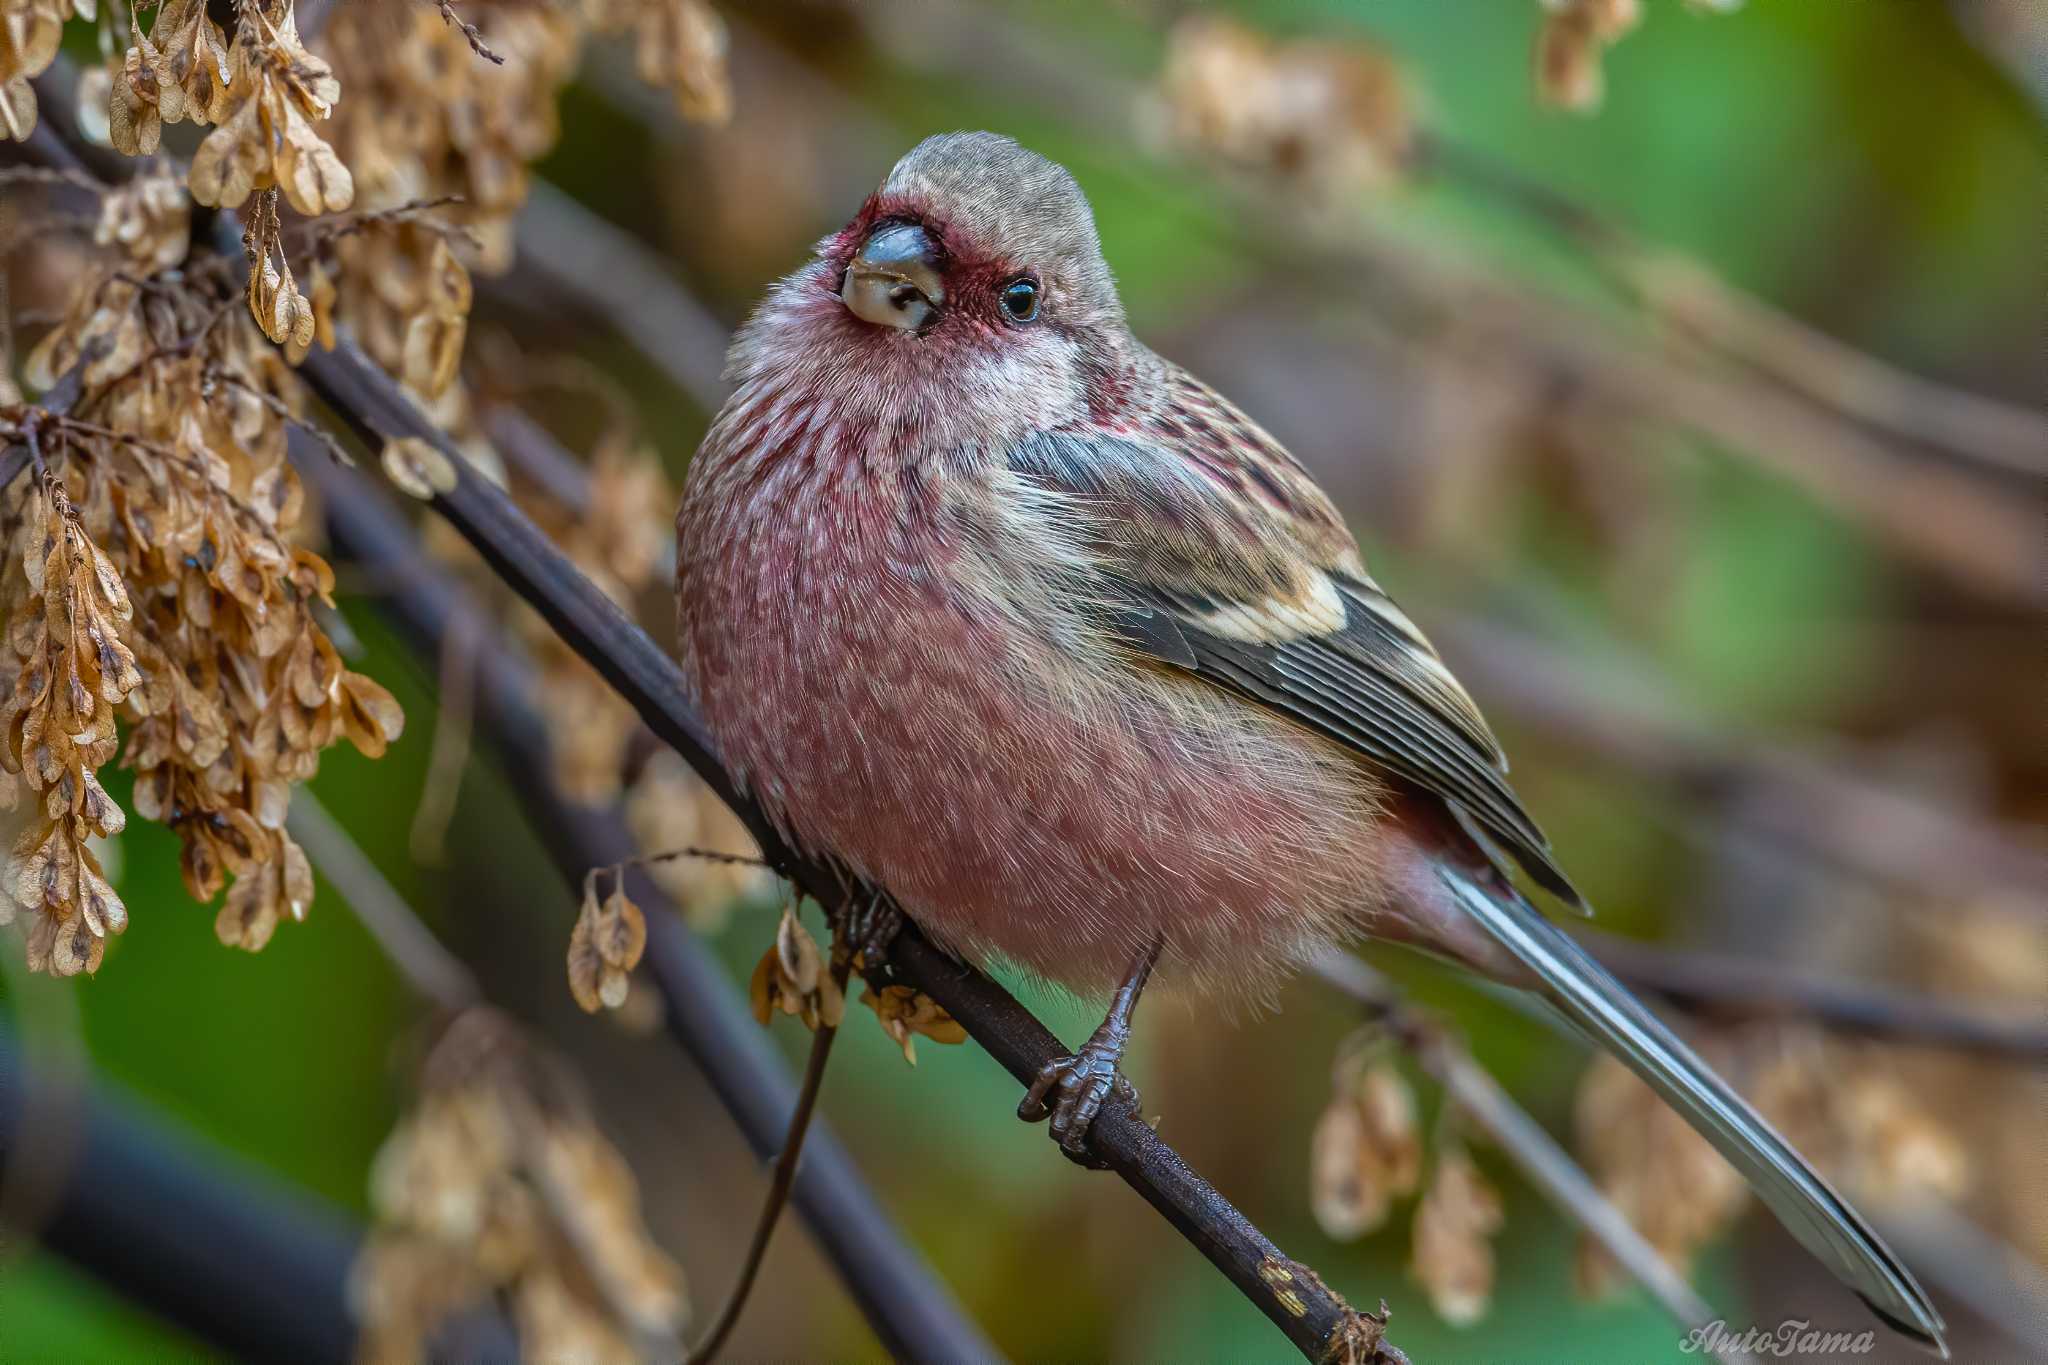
x=1028 y=626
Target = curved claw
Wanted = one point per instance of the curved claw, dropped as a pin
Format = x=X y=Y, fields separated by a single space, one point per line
x=1078 y=1086
x=872 y=927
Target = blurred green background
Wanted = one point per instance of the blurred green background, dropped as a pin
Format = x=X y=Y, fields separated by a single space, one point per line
x=1862 y=166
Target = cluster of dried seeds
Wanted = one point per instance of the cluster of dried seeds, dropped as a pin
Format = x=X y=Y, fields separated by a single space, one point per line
x=1321 y=116
x=905 y=1011
x=30 y=33
x=1367 y=1147
x=1846 y=1107
x=498 y=1185
x=677 y=46
x=610 y=935
x=171 y=467
x=794 y=978
x=171 y=464
x=67 y=609
x=1653 y=1166
x=1368 y=1152
x=428 y=120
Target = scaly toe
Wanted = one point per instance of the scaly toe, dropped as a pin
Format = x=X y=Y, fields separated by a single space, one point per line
x=1072 y=1091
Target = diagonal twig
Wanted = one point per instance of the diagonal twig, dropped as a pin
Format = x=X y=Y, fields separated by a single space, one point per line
x=434 y=974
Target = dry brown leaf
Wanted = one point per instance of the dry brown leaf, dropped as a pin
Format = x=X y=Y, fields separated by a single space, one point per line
x=905 y=1010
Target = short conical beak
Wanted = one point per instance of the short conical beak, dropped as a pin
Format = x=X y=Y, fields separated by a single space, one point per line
x=893 y=280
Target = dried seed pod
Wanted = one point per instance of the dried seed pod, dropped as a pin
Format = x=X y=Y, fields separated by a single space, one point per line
x=497 y=1183
x=66 y=606
x=418 y=467
x=1367 y=1149
x=904 y=1011
x=273 y=90
x=792 y=977
x=605 y=946
x=30 y=33
x=1328 y=117
x=1454 y=1226
x=1569 y=47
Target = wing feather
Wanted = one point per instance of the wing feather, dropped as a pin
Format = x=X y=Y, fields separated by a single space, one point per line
x=1217 y=556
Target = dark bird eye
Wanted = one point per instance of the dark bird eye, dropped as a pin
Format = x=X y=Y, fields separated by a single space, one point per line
x=1020 y=299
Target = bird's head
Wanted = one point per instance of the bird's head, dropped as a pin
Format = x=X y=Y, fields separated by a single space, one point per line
x=977 y=239
x=971 y=279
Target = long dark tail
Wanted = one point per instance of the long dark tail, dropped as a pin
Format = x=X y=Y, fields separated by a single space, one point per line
x=1811 y=1211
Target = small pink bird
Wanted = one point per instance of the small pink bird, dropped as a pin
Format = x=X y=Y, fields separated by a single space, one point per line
x=1010 y=616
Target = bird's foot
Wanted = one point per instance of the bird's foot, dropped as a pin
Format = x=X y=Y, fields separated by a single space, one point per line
x=871 y=926
x=1072 y=1090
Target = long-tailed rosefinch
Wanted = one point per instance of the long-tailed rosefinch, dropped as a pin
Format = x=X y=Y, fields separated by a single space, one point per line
x=1028 y=626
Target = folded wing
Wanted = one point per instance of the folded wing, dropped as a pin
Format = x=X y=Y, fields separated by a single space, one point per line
x=1217 y=555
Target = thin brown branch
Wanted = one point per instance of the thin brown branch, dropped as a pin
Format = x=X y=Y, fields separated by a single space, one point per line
x=469 y=31
x=779 y=1186
x=56 y=404
x=434 y=974
x=1548 y=1166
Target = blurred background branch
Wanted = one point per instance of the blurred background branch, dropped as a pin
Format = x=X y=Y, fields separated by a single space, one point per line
x=223 y=1251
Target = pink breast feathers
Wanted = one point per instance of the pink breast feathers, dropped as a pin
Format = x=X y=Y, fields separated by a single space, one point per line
x=1013 y=798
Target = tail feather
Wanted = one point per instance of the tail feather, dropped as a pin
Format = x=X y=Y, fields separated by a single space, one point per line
x=1811 y=1211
